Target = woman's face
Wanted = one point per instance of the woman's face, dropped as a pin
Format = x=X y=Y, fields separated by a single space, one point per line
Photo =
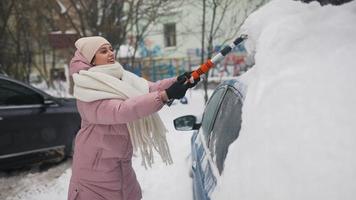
x=104 y=55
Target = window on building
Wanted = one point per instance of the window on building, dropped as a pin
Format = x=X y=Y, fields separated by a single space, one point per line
x=169 y=34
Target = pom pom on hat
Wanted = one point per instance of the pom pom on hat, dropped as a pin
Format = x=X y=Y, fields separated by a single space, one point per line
x=88 y=46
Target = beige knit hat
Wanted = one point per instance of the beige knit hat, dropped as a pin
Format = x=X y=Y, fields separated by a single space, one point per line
x=88 y=46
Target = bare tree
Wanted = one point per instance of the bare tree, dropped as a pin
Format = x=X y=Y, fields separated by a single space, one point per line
x=6 y=8
x=146 y=13
x=96 y=17
x=18 y=41
x=203 y=49
x=24 y=36
x=115 y=20
x=226 y=18
x=26 y=25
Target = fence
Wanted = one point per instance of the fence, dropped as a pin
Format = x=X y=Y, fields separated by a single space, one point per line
x=157 y=68
x=154 y=69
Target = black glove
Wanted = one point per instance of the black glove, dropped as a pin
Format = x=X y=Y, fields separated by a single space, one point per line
x=185 y=77
x=177 y=90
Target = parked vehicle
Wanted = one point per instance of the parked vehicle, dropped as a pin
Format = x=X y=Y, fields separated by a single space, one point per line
x=32 y=122
x=219 y=127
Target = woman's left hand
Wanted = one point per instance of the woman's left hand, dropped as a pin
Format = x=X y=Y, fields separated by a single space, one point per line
x=185 y=78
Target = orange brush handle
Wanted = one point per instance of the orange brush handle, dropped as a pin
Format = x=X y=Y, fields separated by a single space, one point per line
x=202 y=69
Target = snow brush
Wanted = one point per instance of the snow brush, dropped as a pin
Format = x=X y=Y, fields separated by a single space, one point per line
x=205 y=67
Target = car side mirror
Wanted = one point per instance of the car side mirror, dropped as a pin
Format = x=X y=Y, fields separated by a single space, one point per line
x=186 y=123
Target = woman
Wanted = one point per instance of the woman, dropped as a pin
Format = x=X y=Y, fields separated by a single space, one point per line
x=119 y=115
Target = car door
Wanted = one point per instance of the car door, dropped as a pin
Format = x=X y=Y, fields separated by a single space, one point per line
x=221 y=125
x=204 y=178
x=26 y=122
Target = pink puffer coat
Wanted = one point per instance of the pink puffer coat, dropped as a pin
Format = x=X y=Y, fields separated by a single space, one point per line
x=102 y=166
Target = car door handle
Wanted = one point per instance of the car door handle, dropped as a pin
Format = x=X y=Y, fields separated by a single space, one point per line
x=1 y=118
x=194 y=165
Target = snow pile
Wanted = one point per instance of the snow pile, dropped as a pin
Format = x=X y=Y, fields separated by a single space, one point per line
x=298 y=136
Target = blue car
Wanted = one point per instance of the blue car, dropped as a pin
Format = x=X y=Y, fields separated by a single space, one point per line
x=219 y=127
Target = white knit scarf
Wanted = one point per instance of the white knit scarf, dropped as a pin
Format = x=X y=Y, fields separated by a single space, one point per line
x=112 y=81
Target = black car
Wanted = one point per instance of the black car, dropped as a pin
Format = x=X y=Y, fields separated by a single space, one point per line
x=219 y=127
x=33 y=122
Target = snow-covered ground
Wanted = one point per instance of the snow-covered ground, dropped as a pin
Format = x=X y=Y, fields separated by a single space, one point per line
x=172 y=182
x=159 y=182
x=52 y=184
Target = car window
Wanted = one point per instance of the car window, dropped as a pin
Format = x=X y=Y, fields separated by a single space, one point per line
x=15 y=94
x=226 y=127
x=210 y=111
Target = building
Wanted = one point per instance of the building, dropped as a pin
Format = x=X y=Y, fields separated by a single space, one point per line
x=178 y=35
